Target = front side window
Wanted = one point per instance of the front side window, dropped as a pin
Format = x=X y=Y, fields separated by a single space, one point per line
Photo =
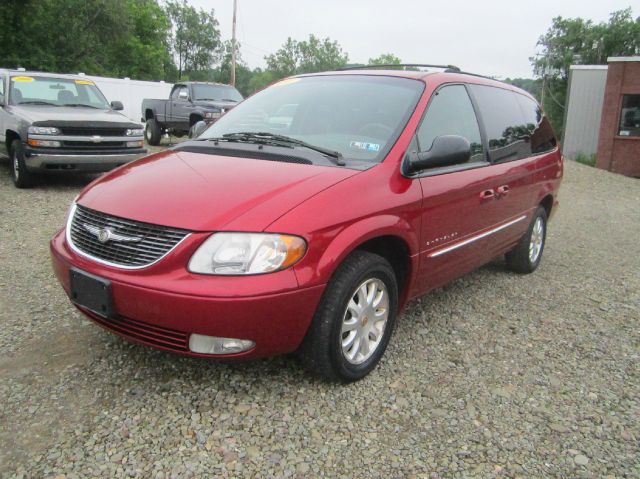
x=359 y=116
x=179 y=91
x=450 y=112
x=630 y=116
x=36 y=90
x=507 y=131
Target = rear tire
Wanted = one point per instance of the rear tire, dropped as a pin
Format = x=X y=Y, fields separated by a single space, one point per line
x=527 y=254
x=354 y=321
x=152 y=132
x=22 y=178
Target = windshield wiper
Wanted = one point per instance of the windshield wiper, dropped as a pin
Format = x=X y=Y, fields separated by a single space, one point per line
x=81 y=104
x=229 y=99
x=282 y=140
x=37 y=102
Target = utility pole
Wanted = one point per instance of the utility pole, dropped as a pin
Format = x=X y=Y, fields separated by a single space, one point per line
x=233 y=46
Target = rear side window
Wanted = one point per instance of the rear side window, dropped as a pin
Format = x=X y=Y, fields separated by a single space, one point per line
x=450 y=112
x=541 y=136
x=505 y=125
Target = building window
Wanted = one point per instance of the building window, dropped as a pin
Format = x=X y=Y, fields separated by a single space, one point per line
x=630 y=116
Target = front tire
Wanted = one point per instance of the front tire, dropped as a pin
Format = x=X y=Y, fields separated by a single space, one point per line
x=22 y=178
x=527 y=254
x=152 y=132
x=354 y=321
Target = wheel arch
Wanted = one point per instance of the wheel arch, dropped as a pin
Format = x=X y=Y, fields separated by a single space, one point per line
x=149 y=114
x=388 y=236
x=10 y=136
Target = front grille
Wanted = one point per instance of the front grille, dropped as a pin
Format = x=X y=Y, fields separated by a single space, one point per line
x=88 y=131
x=146 y=333
x=126 y=243
x=103 y=145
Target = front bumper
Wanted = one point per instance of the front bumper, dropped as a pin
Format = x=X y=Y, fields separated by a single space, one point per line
x=59 y=159
x=163 y=318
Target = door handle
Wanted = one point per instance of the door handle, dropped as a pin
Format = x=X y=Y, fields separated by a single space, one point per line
x=502 y=191
x=487 y=195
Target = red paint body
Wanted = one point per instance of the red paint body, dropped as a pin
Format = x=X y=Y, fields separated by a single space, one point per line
x=334 y=209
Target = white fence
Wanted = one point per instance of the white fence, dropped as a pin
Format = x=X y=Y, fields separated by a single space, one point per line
x=131 y=92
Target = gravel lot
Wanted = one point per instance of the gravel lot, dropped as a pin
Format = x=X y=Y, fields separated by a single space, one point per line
x=495 y=375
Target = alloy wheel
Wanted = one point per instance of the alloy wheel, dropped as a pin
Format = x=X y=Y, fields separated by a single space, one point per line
x=537 y=239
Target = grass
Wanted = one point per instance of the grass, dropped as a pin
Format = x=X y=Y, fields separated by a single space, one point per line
x=589 y=160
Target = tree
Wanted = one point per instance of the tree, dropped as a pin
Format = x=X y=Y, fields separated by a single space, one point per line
x=385 y=59
x=571 y=41
x=99 y=37
x=306 y=56
x=195 y=38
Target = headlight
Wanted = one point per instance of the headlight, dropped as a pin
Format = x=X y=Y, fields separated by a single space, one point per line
x=246 y=253
x=44 y=143
x=43 y=130
x=135 y=132
x=212 y=114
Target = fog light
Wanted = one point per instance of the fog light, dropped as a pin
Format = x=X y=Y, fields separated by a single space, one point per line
x=44 y=143
x=199 y=343
x=134 y=144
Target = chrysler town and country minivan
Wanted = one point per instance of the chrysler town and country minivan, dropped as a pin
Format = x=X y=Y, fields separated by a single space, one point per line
x=310 y=233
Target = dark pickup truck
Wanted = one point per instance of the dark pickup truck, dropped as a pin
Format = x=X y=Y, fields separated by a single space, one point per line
x=52 y=122
x=188 y=103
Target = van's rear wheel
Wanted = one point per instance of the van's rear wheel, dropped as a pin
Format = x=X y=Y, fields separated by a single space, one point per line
x=22 y=178
x=527 y=254
x=352 y=326
x=152 y=132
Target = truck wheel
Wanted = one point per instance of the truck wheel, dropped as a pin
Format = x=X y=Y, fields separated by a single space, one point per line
x=152 y=132
x=526 y=256
x=354 y=321
x=22 y=178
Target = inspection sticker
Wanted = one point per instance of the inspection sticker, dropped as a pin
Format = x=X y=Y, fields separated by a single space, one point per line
x=361 y=145
x=84 y=82
x=22 y=79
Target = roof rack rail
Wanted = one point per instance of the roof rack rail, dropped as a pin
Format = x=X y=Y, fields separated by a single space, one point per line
x=447 y=68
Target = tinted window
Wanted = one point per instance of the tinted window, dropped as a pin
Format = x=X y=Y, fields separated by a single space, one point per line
x=630 y=116
x=541 y=136
x=507 y=132
x=450 y=112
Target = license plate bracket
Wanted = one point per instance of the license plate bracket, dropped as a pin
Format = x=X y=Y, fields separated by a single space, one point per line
x=91 y=292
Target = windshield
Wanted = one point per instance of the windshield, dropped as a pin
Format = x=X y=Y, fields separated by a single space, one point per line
x=55 y=91
x=215 y=92
x=358 y=116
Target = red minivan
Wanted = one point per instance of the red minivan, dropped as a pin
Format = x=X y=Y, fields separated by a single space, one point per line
x=305 y=218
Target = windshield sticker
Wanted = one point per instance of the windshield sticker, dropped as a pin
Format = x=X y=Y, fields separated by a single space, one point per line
x=84 y=82
x=361 y=145
x=287 y=81
x=23 y=79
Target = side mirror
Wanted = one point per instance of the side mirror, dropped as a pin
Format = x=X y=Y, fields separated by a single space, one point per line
x=183 y=95
x=446 y=150
x=198 y=128
x=117 y=105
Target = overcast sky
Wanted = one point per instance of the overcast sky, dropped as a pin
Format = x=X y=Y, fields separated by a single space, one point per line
x=491 y=37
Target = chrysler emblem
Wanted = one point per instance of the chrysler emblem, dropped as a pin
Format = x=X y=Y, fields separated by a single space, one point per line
x=96 y=139
x=107 y=234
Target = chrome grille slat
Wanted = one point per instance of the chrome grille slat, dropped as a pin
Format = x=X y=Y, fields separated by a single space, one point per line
x=155 y=241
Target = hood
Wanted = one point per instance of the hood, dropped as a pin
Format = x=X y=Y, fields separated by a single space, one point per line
x=227 y=105
x=61 y=115
x=204 y=192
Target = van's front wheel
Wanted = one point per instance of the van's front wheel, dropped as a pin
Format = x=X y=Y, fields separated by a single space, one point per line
x=352 y=326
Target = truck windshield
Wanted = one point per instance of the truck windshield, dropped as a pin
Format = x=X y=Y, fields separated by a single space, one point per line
x=215 y=92
x=358 y=116
x=37 y=90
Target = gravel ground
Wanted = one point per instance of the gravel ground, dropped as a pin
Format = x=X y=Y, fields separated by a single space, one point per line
x=495 y=375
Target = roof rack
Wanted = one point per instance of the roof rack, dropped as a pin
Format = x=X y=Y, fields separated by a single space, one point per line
x=446 y=68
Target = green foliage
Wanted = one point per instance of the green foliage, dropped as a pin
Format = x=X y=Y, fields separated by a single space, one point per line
x=385 y=59
x=195 y=37
x=306 y=56
x=585 y=159
x=533 y=86
x=571 y=41
x=99 y=37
